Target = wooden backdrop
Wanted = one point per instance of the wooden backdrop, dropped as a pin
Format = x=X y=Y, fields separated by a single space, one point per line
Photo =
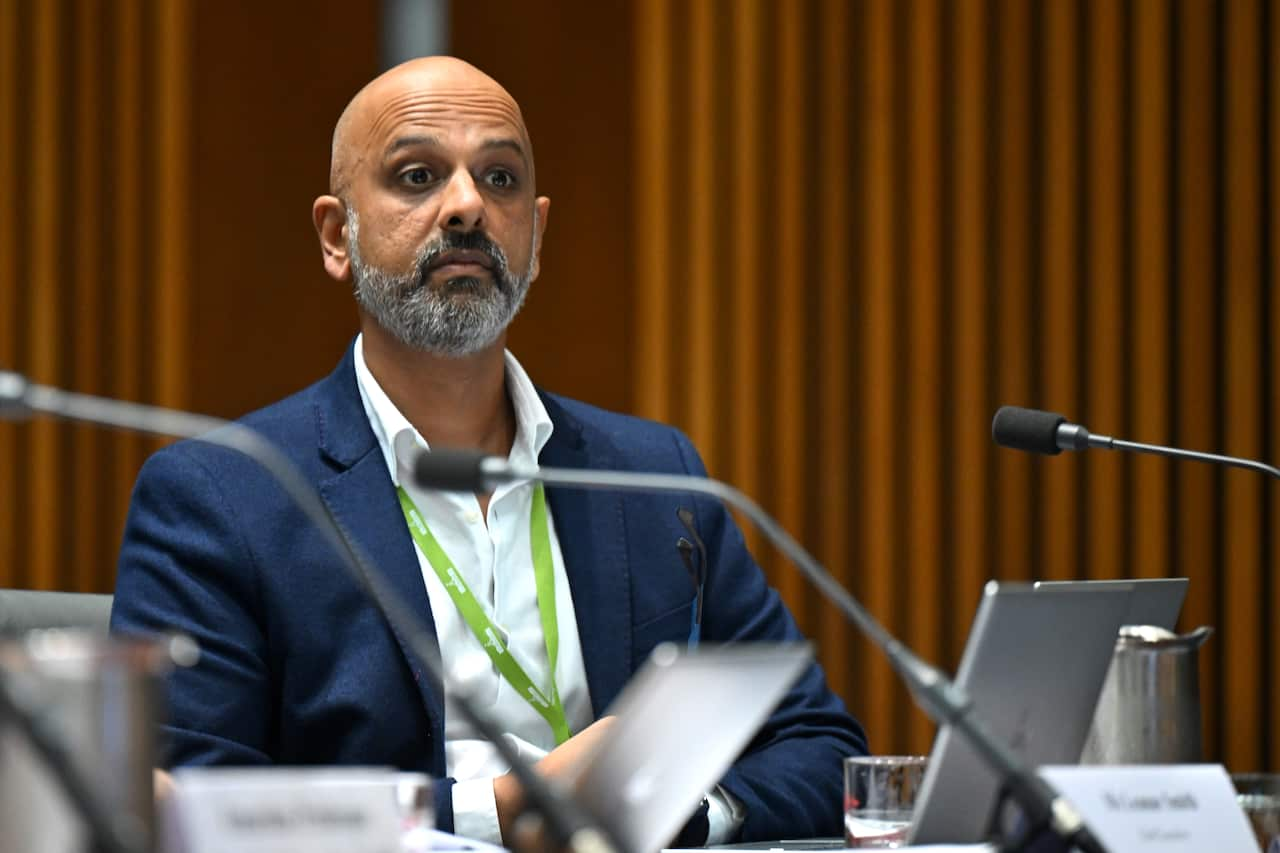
x=826 y=238
x=157 y=161
x=861 y=227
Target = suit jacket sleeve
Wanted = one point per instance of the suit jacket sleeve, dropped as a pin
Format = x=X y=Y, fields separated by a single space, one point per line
x=790 y=778
x=188 y=563
x=185 y=566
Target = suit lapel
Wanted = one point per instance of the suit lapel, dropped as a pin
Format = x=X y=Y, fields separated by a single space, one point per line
x=590 y=526
x=362 y=499
x=592 y=533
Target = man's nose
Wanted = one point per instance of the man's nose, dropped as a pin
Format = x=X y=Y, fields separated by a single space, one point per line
x=462 y=207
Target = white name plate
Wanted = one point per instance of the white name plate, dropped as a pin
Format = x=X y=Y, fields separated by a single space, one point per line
x=1172 y=807
x=282 y=810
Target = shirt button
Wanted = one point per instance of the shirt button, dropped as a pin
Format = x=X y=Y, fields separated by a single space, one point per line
x=472 y=516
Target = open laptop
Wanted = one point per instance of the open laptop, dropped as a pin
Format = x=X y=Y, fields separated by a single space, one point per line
x=681 y=721
x=1155 y=601
x=1034 y=666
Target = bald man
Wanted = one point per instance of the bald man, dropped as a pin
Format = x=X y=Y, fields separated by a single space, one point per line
x=433 y=215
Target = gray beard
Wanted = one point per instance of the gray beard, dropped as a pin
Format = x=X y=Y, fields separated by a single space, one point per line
x=461 y=317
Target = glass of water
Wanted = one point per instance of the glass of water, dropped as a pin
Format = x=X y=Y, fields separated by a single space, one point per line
x=879 y=794
x=1259 y=795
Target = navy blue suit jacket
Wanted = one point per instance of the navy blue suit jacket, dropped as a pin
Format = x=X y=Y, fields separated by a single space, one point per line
x=299 y=668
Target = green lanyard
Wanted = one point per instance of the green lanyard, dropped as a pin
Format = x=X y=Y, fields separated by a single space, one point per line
x=547 y=706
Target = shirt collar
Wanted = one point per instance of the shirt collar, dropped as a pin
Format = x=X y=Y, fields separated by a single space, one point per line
x=398 y=439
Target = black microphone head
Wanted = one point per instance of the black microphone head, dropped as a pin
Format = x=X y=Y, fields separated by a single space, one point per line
x=1027 y=429
x=451 y=470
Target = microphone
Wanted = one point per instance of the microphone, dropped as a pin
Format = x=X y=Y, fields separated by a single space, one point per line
x=1027 y=429
x=937 y=696
x=1046 y=432
x=566 y=822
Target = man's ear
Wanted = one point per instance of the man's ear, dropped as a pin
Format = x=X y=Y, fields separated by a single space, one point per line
x=329 y=215
x=541 y=206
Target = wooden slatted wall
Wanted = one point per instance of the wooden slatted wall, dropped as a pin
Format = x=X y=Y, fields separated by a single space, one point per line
x=861 y=227
x=855 y=229
x=128 y=128
x=92 y=165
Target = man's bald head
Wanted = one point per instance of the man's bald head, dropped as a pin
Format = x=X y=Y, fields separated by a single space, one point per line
x=432 y=210
x=398 y=93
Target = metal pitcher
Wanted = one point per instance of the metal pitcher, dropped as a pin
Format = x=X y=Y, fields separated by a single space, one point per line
x=102 y=699
x=1149 y=710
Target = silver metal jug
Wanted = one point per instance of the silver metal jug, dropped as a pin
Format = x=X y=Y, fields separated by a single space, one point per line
x=1149 y=710
x=102 y=699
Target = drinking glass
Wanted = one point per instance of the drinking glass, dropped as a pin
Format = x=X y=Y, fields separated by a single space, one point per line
x=1259 y=795
x=879 y=795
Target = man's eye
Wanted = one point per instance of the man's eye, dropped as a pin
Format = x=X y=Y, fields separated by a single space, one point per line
x=501 y=179
x=420 y=176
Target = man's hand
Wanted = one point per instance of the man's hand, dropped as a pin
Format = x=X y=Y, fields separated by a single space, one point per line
x=557 y=763
x=162 y=784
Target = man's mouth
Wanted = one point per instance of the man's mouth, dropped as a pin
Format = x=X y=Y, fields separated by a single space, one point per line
x=461 y=262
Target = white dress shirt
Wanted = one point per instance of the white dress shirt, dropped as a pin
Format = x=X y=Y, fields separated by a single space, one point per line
x=493 y=555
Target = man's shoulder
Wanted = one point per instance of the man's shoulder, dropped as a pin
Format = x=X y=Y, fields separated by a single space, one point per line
x=632 y=441
x=292 y=425
x=283 y=418
x=595 y=419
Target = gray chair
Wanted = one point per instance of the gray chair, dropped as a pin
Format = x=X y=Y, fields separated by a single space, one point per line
x=23 y=610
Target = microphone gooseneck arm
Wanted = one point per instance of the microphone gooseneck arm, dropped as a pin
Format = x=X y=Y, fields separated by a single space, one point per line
x=1076 y=437
x=936 y=694
x=565 y=822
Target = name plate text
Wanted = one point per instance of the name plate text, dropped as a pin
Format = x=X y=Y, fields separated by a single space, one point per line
x=1174 y=808
x=275 y=810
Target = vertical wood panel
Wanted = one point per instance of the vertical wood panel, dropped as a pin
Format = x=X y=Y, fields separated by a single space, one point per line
x=971 y=360
x=88 y=292
x=700 y=281
x=791 y=271
x=1061 y=273
x=1013 y=314
x=1242 y=557
x=834 y=234
x=878 y=355
x=127 y=326
x=653 y=200
x=1104 y=338
x=1195 y=358
x=1271 y=656
x=924 y=333
x=9 y=488
x=747 y=236
x=43 y=353
x=172 y=194
x=1149 y=344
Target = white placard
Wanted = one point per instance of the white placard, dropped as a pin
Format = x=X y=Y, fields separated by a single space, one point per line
x=282 y=810
x=1169 y=808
